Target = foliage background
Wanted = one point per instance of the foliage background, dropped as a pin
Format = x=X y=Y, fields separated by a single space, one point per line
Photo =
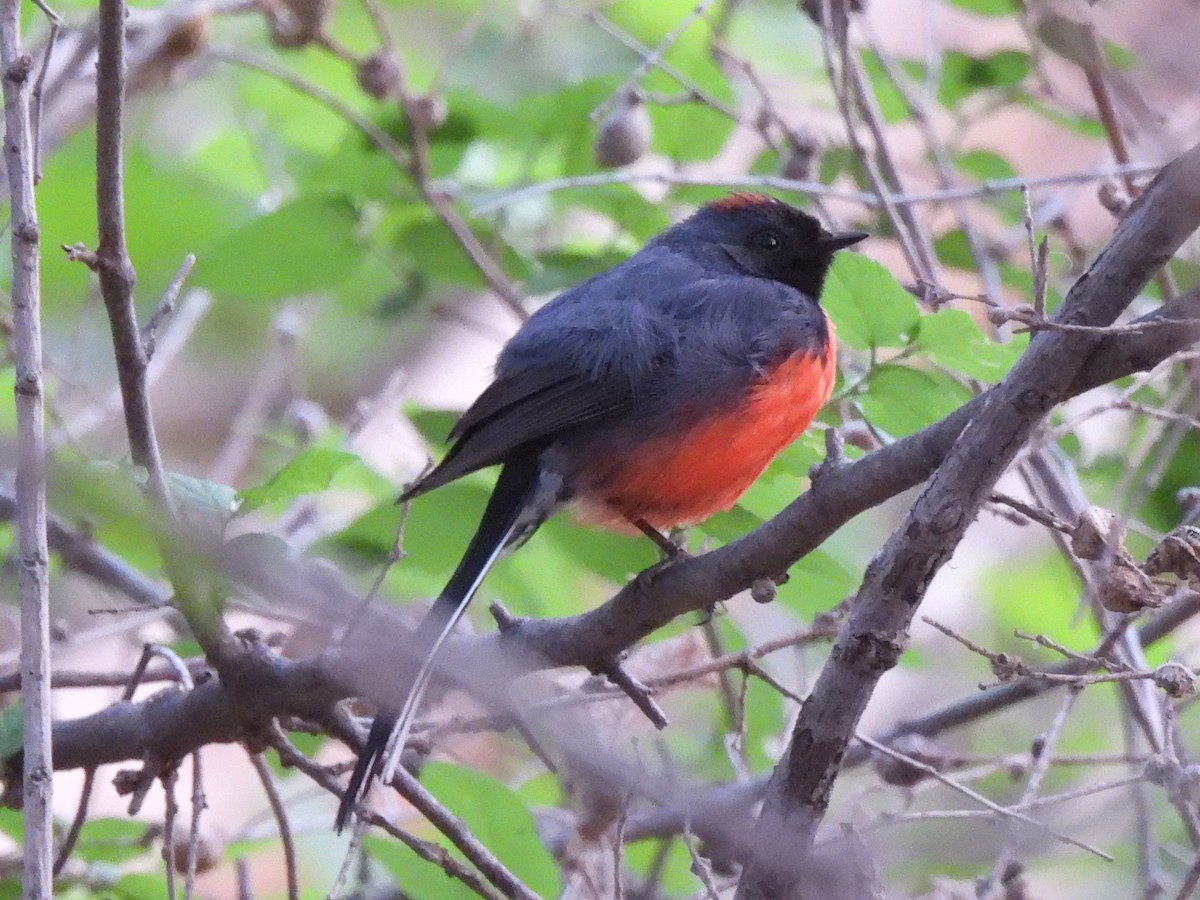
x=331 y=309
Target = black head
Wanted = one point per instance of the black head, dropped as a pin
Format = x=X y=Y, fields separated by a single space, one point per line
x=768 y=238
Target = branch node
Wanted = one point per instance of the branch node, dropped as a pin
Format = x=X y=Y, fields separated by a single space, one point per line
x=18 y=71
x=1175 y=679
x=835 y=456
x=763 y=590
x=80 y=253
x=505 y=621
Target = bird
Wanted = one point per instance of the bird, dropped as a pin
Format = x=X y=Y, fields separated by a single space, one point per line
x=649 y=396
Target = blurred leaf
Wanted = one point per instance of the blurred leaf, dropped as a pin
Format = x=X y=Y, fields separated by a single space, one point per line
x=142 y=886
x=112 y=840
x=674 y=873
x=416 y=878
x=12 y=729
x=902 y=400
x=989 y=7
x=838 y=160
x=963 y=75
x=1120 y=58
x=867 y=303
x=984 y=165
x=12 y=824
x=433 y=424
x=953 y=250
x=202 y=505
x=309 y=471
x=307 y=245
x=954 y=341
x=371 y=535
x=106 y=497
x=430 y=246
x=891 y=101
x=499 y=819
x=1085 y=126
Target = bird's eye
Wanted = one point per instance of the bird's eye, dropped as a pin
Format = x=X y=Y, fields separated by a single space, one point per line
x=767 y=240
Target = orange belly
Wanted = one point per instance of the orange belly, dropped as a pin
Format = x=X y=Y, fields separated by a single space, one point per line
x=687 y=477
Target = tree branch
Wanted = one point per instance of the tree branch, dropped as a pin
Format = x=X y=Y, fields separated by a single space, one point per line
x=32 y=567
x=876 y=631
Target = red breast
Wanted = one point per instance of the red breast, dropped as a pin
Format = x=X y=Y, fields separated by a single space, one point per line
x=684 y=478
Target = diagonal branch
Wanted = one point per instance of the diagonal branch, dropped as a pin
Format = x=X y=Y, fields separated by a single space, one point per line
x=876 y=631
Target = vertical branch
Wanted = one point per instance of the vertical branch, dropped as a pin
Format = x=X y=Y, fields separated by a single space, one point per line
x=32 y=573
x=195 y=599
x=113 y=266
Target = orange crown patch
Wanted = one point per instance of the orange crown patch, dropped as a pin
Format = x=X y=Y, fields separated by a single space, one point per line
x=742 y=200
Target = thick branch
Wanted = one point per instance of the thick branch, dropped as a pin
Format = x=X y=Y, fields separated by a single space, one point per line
x=876 y=631
x=171 y=724
x=203 y=716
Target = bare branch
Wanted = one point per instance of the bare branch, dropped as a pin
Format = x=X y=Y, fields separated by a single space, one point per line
x=32 y=566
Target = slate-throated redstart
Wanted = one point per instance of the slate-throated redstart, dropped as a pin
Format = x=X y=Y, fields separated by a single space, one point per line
x=651 y=395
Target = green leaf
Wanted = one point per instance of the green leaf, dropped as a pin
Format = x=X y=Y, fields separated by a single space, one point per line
x=112 y=840
x=989 y=7
x=953 y=250
x=1121 y=58
x=963 y=75
x=495 y=816
x=901 y=400
x=1081 y=125
x=887 y=95
x=310 y=471
x=984 y=165
x=416 y=878
x=305 y=246
x=867 y=303
x=12 y=730
x=204 y=505
x=434 y=251
x=953 y=340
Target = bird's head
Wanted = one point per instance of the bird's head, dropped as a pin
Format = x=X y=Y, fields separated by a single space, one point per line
x=767 y=238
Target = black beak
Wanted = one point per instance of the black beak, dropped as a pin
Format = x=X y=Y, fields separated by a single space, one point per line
x=841 y=240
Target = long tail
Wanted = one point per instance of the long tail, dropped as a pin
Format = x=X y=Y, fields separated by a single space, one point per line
x=513 y=492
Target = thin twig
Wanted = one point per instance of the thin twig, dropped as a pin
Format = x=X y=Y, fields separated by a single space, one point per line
x=39 y=86
x=166 y=306
x=193 y=309
x=426 y=850
x=652 y=58
x=994 y=880
x=1004 y=811
x=992 y=187
x=281 y=820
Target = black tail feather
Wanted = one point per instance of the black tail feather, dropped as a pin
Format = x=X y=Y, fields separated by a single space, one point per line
x=512 y=495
